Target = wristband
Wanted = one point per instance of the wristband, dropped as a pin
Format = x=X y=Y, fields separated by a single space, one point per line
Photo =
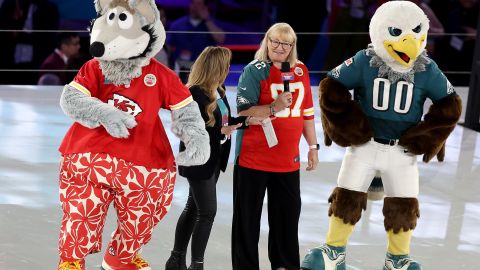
x=272 y=109
x=314 y=147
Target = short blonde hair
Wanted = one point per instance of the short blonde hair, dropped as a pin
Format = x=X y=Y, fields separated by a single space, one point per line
x=209 y=73
x=285 y=31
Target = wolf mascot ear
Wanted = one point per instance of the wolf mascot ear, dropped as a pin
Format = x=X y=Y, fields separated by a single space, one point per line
x=142 y=6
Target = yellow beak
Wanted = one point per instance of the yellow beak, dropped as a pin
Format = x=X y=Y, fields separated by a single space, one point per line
x=405 y=50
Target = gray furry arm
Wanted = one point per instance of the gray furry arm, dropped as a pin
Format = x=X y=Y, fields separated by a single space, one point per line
x=189 y=126
x=79 y=107
x=92 y=112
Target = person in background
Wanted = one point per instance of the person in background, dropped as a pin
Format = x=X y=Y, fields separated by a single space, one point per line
x=163 y=55
x=185 y=48
x=436 y=27
x=276 y=170
x=352 y=17
x=33 y=47
x=295 y=14
x=11 y=18
x=75 y=63
x=206 y=85
x=460 y=50
x=67 y=48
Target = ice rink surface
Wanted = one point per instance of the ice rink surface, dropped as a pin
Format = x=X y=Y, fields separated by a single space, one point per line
x=31 y=128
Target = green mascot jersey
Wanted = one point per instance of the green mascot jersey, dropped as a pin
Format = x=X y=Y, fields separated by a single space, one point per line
x=392 y=107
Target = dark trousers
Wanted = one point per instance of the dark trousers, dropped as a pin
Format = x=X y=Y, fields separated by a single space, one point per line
x=197 y=218
x=284 y=205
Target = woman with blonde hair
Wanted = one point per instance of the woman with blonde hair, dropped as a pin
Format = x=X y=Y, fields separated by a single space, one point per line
x=272 y=166
x=206 y=85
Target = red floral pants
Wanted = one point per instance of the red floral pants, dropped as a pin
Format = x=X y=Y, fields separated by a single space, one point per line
x=89 y=183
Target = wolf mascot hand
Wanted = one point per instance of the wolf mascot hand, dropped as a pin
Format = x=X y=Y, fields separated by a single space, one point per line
x=384 y=131
x=117 y=149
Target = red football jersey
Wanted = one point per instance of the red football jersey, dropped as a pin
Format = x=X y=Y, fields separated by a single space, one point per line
x=260 y=84
x=158 y=87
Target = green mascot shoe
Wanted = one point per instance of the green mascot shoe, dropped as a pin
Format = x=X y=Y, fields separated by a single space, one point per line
x=325 y=258
x=400 y=262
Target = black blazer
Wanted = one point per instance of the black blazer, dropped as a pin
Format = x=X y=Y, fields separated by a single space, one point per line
x=218 y=152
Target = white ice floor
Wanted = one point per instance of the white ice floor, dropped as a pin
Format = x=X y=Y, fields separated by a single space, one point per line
x=32 y=126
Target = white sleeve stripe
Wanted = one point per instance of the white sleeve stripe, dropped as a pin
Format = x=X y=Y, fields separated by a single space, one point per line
x=182 y=104
x=80 y=88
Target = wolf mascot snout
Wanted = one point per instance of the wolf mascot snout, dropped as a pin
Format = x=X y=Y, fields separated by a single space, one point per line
x=383 y=131
x=117 y=149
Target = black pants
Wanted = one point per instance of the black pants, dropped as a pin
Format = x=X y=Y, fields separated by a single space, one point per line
x=197 y=218
x=284 y=205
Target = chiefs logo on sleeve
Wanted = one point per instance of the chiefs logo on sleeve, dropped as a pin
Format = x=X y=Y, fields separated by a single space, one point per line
x=125 y=104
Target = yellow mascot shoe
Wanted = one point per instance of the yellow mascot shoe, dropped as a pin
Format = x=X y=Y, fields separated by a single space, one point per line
x=75 y=265
x=112 y=263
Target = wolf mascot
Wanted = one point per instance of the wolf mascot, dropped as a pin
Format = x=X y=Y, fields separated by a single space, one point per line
x=383 y=131
x=117 y=149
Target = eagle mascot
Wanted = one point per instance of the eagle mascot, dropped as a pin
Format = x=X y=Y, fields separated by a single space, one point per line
x=117 y=150
x=383 y=130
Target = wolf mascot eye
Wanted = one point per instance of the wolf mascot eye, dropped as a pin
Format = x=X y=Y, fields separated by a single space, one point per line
x=111 y=17
x=125 y=20
x=383 y=130
x=114 y=102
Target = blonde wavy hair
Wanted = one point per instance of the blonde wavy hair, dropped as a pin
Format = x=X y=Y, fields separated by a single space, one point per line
x=285 y=32
x=209 y=73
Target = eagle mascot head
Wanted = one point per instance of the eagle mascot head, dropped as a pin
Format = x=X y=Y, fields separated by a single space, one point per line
x=398 y=31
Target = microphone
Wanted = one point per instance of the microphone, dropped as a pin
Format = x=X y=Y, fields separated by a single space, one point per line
x=287 y=76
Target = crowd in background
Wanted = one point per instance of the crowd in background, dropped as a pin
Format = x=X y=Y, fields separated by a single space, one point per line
x=217 y=21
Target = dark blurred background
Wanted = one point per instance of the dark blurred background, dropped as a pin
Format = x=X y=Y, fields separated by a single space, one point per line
x=27 y=51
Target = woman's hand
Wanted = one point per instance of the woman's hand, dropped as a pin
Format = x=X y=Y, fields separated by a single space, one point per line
x=283 y=101
x=253 y=121
x=228 y=130
x=312 y=159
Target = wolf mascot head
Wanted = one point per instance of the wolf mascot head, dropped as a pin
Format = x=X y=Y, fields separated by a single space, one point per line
x=124 y=37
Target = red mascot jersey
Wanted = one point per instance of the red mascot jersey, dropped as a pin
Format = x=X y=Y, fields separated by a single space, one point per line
x=158 y=87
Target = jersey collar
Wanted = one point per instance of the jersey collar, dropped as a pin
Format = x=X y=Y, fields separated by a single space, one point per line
x=385 y=71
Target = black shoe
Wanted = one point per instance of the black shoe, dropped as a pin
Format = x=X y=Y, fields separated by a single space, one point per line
x=196 y=266
x=176 y=261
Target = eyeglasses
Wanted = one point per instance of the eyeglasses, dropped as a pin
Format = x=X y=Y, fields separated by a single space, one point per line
x=276 y=43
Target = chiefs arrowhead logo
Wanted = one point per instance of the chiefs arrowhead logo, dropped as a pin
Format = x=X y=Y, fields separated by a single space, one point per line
x=127 y=105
